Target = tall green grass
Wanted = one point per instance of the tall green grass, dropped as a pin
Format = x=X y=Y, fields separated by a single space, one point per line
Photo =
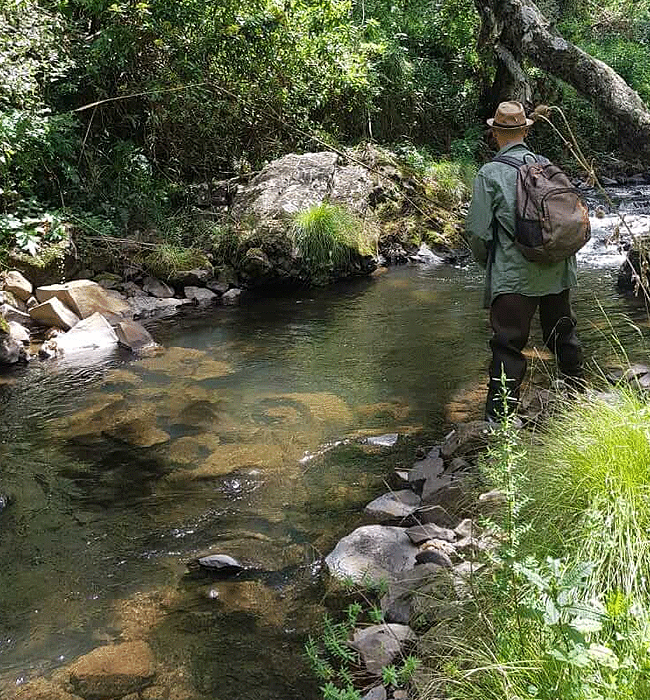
x=329 y=237
x=562 y=611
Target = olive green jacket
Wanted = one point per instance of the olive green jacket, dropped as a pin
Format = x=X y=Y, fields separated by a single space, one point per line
x=493 y=208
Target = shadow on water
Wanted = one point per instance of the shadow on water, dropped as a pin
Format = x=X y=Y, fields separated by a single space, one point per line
x=242 y=437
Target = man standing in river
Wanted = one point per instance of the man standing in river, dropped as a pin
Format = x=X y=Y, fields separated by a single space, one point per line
x=515 y=286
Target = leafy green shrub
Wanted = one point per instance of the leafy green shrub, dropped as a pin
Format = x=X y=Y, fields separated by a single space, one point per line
x=328 y=236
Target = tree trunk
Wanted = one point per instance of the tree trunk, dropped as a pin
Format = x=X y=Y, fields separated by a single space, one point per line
x=518 y=27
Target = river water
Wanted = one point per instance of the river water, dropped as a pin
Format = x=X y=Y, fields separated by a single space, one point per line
x=244 y=437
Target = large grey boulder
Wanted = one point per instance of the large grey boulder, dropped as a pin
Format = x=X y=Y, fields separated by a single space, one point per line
x=380 y=645
x=93 y=333
x=54 y=313
x=200 y=296
x=372 y=553
x=286 y=186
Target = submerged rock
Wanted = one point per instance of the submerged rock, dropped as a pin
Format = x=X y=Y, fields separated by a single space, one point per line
x=216 y=563
x=373 y=552
x=113 y=671
x=42 y=689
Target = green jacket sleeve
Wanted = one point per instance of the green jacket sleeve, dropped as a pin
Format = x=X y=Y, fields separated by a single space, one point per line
x=478 y=225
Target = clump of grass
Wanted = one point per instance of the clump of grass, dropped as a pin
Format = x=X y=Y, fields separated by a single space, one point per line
x=328 y=237
x=167 y=260
x=450 y=181
x=590 y=481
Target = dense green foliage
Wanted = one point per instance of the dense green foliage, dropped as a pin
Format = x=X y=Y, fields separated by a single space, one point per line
x=183 y=92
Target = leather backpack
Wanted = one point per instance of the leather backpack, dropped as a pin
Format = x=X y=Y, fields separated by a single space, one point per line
x=552 y=220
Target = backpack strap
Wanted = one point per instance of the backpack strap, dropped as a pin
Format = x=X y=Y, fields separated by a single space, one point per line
x=508 y=161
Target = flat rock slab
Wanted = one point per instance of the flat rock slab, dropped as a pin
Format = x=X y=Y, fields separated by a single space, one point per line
x=373 y=552
x=396 y=504
x=11 y=313
x=113 y=671
x=434 y=514
x=85 y=298
x=430 y=531
x=93 y=333
x=54 y=312
x=379 y=645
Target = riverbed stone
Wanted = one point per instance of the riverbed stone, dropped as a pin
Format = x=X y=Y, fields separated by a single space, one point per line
x=425 y=470
x=218 y=287
x=54 y=313
x=466 y=438
x=85 y=298
x=396 y=603
x=467 y=528
x=19 y=332
x=131 y=289
x=380 y=645
x=200 y=296
x=147 y=307
x=11 y=313
x=113 y=671
x=217 y=563
x=14 y=282
x=434 y=514
x=421 y=533
x=376 y=693
x=396 y=504
x=42 y=689
x=7 y=297
x=156 y=288
x=372 y=553
x=133 y=335
x=433 y=555
x=196 y=277
x=432 y=485
x=93 y=333
x=11 y=350
x=231 y=297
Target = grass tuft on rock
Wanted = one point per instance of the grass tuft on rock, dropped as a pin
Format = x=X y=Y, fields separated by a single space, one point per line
x=328 y=237
x=167 y=260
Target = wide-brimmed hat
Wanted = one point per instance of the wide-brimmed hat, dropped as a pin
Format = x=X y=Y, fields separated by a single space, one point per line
x=510 y=115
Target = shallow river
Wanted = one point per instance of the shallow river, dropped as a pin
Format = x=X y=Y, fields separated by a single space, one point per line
x=244 y=437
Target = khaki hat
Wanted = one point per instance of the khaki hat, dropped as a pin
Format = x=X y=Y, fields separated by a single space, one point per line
x=510 y=115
